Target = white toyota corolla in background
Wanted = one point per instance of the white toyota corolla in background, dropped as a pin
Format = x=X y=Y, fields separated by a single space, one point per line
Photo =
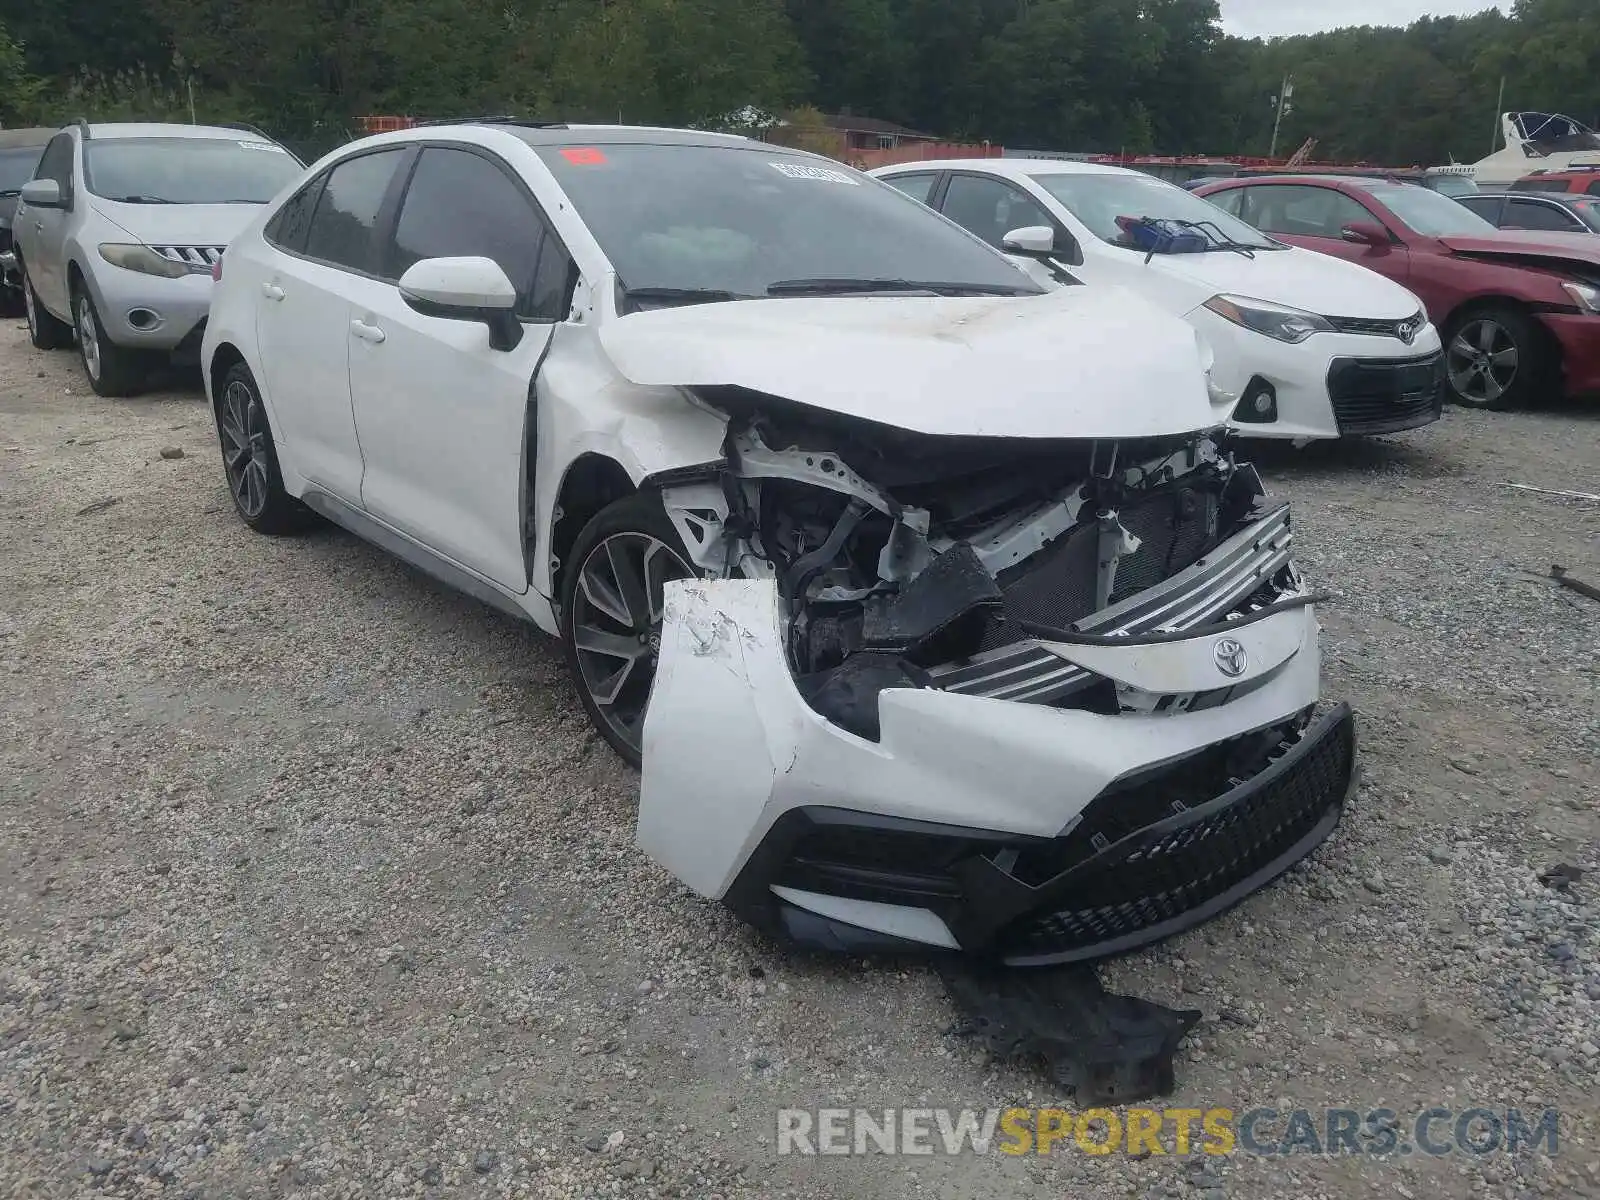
x=1312 y=347
x=934 y=608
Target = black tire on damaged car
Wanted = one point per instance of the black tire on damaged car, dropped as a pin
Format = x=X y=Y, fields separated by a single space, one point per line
x=1480 y=372
x=44 y=331
x=250 y=458
x=608 y=628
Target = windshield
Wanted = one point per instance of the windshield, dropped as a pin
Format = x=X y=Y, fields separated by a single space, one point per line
x=1427 y=212
x=1098 y=199
x=16 y=166
x=180 y=170
x=685 y=223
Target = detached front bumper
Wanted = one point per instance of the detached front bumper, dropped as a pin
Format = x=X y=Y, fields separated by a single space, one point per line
x=1032 y=833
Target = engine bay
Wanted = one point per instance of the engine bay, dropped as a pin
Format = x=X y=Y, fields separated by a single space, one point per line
x=912 y=560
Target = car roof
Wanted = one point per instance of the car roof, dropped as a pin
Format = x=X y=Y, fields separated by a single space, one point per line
x=607 y=135
x=166 y=129
x=36 y=135
x=1011 y=168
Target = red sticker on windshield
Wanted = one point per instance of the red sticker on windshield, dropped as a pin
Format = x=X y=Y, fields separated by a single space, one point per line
x=583 y=156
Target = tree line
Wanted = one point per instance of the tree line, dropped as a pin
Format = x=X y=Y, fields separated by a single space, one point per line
x=1139 y=76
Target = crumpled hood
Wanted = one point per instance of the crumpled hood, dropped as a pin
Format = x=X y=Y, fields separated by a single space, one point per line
x=1530 y=243
x=1076 y=363
x=179 y=224
x=1318 y=283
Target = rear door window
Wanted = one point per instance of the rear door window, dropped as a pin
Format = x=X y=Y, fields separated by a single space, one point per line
x=918 y=187
x=1535 y=214
x=288 y=228
x=346 y=216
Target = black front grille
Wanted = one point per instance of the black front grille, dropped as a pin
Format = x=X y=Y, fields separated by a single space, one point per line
x=1181 y=870
x=1057 y=587
x=1375 y=328
x=1386 y=395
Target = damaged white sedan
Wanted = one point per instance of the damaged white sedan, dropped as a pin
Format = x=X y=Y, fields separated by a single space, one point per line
x=935 y=608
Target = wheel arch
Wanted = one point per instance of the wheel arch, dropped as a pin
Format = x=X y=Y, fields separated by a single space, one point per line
x=1485 y=303
x=223 y=359
x=591 y=482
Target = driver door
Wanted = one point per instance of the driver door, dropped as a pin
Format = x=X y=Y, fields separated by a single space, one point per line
x=442 y=417
x=41 y=233
x=1314 y=218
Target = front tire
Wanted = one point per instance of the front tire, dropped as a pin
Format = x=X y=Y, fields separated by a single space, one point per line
x=44 y=331
x=113 y=370
x=1497 y=359
x=611 y=610
x=250 y=458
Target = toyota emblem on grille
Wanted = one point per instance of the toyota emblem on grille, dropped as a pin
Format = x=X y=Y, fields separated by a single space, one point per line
x=1230 y=657
x=1408 y=330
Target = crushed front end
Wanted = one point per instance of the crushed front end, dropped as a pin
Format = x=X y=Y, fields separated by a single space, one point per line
x=1042 y=701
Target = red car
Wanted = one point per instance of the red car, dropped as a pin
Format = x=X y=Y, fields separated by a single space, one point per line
x=1573 y=181
x=1519 y=311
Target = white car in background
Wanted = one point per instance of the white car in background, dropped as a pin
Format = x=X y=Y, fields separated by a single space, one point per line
x=935 y=610
x=1311 y=347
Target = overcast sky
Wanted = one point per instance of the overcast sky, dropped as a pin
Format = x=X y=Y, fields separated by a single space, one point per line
x=1275 y=18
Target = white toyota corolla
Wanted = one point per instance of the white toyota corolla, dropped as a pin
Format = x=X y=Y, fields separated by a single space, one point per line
x=932 y=602
x=1310 y=346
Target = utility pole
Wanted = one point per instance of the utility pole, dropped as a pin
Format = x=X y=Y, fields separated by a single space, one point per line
x=1285 y=93
x=1499 y=107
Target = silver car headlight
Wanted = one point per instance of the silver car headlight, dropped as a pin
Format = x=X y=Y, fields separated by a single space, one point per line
x=133 y=257
x=1277 y=321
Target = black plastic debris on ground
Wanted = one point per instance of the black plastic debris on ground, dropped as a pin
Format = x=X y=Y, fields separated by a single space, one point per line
x=1107 y=1049
x=1561 y=876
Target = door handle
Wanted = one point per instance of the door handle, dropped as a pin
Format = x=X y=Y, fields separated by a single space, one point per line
x=272 y=291
x=367 y=333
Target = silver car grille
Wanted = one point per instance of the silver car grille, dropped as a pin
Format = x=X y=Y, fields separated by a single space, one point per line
x=196 y=258
x=1025 y=671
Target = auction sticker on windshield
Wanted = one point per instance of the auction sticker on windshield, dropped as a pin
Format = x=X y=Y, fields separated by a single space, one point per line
x=816 y=174
x=263 y=146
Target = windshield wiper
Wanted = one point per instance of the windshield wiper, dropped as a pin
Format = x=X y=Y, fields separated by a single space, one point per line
x=138 y=199
x=5 y=192
x=841 y=287
x=678 y=295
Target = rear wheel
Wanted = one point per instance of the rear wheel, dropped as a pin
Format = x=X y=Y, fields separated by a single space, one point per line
x=611 y=612
x=1496 y=359
x=250 y=459
x=44 y=331
x=113 y=370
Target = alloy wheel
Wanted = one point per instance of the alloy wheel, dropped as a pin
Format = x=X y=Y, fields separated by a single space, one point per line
x=1482 y=361
x=33 y=315
x=616 y=624
x=88 y=337
x=244 y=449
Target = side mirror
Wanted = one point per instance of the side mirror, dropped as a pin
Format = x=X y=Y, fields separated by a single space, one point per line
x=41 y=193
x=1365 y=233
x=1031 y=240
x=465 y=289
x=1041 y=241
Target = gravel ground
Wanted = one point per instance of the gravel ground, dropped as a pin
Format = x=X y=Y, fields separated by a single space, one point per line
x=313 y=881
